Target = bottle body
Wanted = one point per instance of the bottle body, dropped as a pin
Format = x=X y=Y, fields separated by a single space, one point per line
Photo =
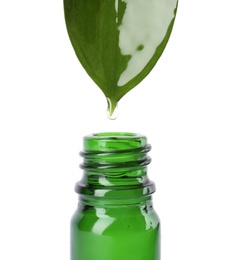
x=129 y=232
x=115 y=219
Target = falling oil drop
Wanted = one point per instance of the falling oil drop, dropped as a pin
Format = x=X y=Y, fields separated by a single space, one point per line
x=114 y=115
x=112 y=109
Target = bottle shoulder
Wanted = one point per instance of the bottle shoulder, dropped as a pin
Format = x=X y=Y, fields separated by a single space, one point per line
x=115 y=219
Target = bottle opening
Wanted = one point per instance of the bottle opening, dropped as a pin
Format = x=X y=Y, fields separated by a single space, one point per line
x=115 y=134
x=114 y=141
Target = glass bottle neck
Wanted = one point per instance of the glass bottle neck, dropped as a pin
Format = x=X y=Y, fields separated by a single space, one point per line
x=115 y=169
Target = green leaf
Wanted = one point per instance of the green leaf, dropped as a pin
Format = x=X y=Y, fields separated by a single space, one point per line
x=119 y=42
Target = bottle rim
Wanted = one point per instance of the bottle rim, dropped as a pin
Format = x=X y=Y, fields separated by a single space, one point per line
x=114 y=141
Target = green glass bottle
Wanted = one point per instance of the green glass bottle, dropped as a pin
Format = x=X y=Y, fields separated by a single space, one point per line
x=115 y=219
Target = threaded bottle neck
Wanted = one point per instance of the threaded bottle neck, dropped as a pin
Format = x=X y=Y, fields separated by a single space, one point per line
x=115 y=167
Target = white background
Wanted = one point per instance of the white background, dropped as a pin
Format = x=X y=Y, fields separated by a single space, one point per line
x=48 y=103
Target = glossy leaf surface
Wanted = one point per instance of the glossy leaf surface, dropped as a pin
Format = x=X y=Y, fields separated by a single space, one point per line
x=119 y=42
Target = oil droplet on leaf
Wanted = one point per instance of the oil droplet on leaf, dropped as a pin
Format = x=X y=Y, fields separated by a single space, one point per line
x=112 y=109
